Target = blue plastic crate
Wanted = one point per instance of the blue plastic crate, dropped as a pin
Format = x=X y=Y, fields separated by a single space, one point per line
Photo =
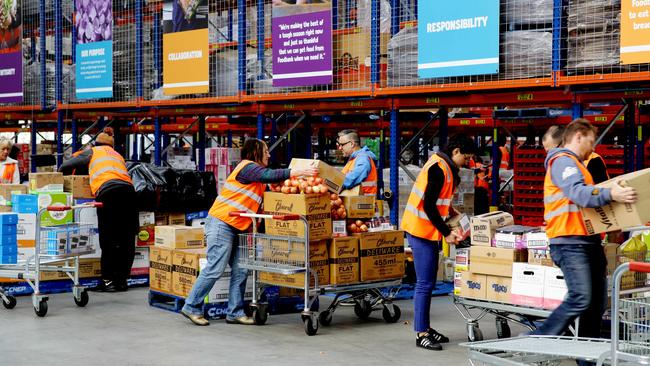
x=6 y=230
x=8 y=240
x=8 y=218
x=196 y=215
x=7 y=250
x=9 y=259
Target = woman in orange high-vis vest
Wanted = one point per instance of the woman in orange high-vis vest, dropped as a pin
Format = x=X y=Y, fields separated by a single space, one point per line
x=243 y=191
x=568 y=187
x=9 y=173
x=427 y=209
x=117 y=219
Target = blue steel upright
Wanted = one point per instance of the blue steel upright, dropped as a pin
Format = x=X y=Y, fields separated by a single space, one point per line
x=138 y=49
x=75 y=135
x=41 y=40
x=241 y=44
x=576 y=110
x=443 y=133
x=201 y=143
x=394 y=167
x=394 y=17
x=335 y=14
x=381 y=163
x=58 y=59
x=559 y=27
x=260 y=39
x=157 y=49
x=157 y=134
x=375 y=41
x=260 y=126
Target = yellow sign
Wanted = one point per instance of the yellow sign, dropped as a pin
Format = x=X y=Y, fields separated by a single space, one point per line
x=185 y=62
x=635 y=31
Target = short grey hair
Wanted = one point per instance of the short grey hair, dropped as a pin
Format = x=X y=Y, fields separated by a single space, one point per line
x=353 y=135
x=555 y=134
x=5 y=142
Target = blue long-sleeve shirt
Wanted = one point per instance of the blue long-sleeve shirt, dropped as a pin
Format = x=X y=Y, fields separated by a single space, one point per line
x=361 y=168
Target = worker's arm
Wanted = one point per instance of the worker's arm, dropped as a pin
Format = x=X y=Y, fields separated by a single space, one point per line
x=254 y=173
x=80 y=161
x=567 y=176
x=16 y=178
x=431 y=194
x=359 y=173
x=598 y=170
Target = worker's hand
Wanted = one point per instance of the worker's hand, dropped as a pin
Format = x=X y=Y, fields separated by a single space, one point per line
x=304 y=172
x=623 y=194
x=453 y=238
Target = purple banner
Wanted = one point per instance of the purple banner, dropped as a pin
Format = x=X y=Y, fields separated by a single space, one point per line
x=11 y=77
x=302 y=49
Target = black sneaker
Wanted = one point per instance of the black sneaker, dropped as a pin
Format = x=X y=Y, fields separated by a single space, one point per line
x=438 y=337
x=426 y=342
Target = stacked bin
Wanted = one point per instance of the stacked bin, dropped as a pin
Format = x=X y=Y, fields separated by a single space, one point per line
x=529 y=185
x=8 y=241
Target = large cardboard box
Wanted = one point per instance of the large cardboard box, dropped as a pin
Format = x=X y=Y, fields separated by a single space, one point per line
x=53 y=218
x=617 y=216
x=318 y=261
x=26 y=230
x=484 y=226
x=179 y=237
x=46 y=182
x=333 y=177
x=359 y=207
x=88 y=268
x=78 y=186
x=352 y=63
x=498 y=289
x=473 y=286
x=141 y=262
x=611 y=251
x=221 y=289
x=6 y=190
x=461 y=224
x=185 y=269
x=167 y=218
x=315 y=207
x=528 y=285
x=160 y=269
x=495 y=261
x=554 y=288
x=382 y=255
x=344 y=260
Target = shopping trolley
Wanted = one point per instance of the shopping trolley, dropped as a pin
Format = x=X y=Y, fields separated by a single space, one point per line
x=289 y=256
x=57 y=249
x=629 y=343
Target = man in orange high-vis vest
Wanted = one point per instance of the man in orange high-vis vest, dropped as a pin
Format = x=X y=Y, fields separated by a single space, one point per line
x=481 y=187
x=597 y=168
x=427 y=209
x=117 y=219
x=361 y=168
x=568 y=186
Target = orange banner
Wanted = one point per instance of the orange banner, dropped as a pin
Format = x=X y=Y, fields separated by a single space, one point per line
x=635 y=31
x=186 y=62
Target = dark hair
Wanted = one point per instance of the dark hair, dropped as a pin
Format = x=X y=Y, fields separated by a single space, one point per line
x=253 y=150
x=554 y=133
x=463 y=142
x=578 y=125
x=354 y=136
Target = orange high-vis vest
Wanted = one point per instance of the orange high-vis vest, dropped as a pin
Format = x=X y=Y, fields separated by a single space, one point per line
x=480 y=180
x=369 y=185
x=596 y=156
x=562 y=216
x=8 y=173
x=106 y=164
x=415 y=220
x=505 y=158
x=235 y=196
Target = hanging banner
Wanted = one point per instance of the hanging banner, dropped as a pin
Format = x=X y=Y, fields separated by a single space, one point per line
x=11 y=56
x=457 y=38
x=185 y=47
x=302 y=45
x=94 y=50
x=635 y=31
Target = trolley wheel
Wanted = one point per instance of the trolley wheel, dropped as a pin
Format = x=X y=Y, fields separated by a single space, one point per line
x=474 y=333
x=325 y=318
x=41 y=310
x=10 y=303
x=391 y=318
x=82 y=300
x=311 y=325
x=503 y=329
x=362 y=309
x=260 y=315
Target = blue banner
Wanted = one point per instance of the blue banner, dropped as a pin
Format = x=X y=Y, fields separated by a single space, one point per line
x=94 y=70
x=458 y=38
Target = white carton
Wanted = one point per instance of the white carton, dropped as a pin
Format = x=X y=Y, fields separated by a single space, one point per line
x=537 y=240
x=527 y=284
x=554 y=288
x=140 y=262
x=462 y=259
x=221 y=289
x=147 y=218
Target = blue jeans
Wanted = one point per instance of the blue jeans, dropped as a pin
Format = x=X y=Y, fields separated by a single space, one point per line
x=584 y=267
x=223 y=248
x=425 y=259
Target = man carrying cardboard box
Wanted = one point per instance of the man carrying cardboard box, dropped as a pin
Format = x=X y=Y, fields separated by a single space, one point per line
x=567 y=187
x=361 y=168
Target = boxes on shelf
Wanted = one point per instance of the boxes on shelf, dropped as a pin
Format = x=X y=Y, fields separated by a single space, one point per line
x=528 y=284
x=352 y=58
x=315 y=207
x=46 y=182
x=473 y=285
x=495 y=261
x=554 y=287
x=498 y=288
x=344 y=260
x=7 y=190
x=381 y=255
x=185 y=269
x=168 y=218
x=160 y=269
x=318 y=261
x=483 y=227
x=513 y=236
x=332 y=177
x=78 y=186
x=179 y=237
x=540 y=257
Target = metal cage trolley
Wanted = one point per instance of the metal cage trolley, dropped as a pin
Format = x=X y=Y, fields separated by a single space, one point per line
x=289 y=256
x=54 y=245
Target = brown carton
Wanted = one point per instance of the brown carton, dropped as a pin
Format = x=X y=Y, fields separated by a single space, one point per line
x=179 y=237
x=359 y=207
x=78 y=185
x=315 y=207
x=344 y=260
x=46 y=181
x=540 y=257
x=382 y=255
x=474 y=286
x=484 y=226
x=498 y=289
x=185 y=270
x=6 y=190
x=169 y=218
x=160 y=269
x=495 y=261
x=318 y=261
x=88 y=268
x=333 y=177
x=352 y=58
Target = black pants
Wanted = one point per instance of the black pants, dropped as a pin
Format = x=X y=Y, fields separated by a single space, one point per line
x=118 y=225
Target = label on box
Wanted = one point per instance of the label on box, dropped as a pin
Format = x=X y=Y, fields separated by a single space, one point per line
x=498 y=288
x=344 y=260
x=473 y=285
x=458 y=282
x=537 y=240
x=160 y=271
x=462 y=259
x=339 y=228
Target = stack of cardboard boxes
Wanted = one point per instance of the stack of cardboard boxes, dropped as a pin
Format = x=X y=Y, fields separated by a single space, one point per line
x=221 y=161
x=8 y=242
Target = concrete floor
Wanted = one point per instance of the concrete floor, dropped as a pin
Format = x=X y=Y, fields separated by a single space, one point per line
x=122 y=329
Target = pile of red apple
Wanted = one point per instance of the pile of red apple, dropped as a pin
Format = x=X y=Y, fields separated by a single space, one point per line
x=357 y=226
x=310 y=185
x=338 y=210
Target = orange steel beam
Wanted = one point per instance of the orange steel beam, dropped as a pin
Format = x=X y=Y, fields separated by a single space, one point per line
x=603 y=78
x=454 y=87
x=187 y=101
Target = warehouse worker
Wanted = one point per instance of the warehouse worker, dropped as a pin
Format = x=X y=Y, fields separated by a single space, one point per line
x=361 y=168
x=552 y=138
x=428 y=206
x=567 y=187
x=117 y=219
x=9 y=172
x=242 y=191
x=481 y=186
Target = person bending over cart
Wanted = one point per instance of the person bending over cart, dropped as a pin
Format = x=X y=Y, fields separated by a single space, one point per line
x=118 y=218
x=242 y=191
x=428 y=206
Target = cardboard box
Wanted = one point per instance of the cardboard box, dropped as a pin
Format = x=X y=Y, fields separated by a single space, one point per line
x=352 y=64
x=344 y=260
x=140 y=265
x=458 y=282
x=169 y=218
x=26 y=230
x=78 y=186
x=88 y=268
x=333 y=177
x=53 y=218
x=146 y=236
x=461 y=223
x=541 y=257
x=537 y=240
x=179 y=237
x=498 y=289
x=318 y=261
x=611 y=250
x=382 y=255
x=474 y=286
x=359 y=207
x=528 y=285
x=221 y=289
x=185 y=270
x=147 y=218
x=495 y=261
x=462 y=259
x=24 y=203
x=160 y=269
x=7 y=190
x=554 y=288
x=513 y=236
x=46 y=182
x=484 y=226
x=316 y=208
x=617 y=216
